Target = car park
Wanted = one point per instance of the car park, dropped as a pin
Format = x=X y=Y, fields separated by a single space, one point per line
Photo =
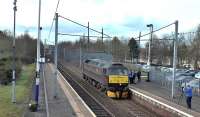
x=183 y=78
x=193 y=83
x=179 y=78
x=190 y=73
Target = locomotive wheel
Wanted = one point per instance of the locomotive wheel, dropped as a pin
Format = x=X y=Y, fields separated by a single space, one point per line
x=103 y=89
x=98 y=86
x=84 y=76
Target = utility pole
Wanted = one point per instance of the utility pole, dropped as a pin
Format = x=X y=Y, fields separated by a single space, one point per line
x=149 y=55
x=56 y=56
x=40 y=42
x=14 y=66
x=139 y=48
x=102 y=38
x=38 y=58
x=174 y=58
x=88 y=37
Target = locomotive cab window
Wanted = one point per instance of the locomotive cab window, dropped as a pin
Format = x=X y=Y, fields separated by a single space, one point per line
x=117 y=71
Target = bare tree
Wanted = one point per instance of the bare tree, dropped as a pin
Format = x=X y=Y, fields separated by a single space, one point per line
x=195 y=53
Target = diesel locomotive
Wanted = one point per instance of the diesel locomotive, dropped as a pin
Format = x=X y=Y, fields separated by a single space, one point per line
x=107 y=76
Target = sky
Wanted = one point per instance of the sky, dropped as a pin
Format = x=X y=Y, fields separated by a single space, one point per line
x=122 y=18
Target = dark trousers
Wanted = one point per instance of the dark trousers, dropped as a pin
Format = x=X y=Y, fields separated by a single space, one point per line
x=189 y=100
x=139 y=78
x=132 y=80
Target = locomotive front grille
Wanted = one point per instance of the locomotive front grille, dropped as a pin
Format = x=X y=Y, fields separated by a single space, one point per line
x=118 y=79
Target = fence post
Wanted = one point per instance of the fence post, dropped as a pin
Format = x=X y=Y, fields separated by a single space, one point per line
x=174 y=58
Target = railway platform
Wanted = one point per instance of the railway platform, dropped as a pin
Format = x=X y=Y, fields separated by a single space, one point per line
x=66 y=104
x=163 y=95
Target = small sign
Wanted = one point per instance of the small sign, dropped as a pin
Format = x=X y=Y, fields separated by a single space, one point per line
x=37 y=81
x=42 y=60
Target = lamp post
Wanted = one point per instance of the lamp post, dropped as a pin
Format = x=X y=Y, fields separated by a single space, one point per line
x=14 y=66
x=56 y=56
x=38 y=58
x=138 y=61
x=149 y=55
x=88 y=37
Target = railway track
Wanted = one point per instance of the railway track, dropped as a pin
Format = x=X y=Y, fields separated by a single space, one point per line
x=118 y=108
x=98 y=109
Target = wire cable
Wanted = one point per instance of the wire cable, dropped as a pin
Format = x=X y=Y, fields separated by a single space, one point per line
x=83 y=25
x=53 y=19
x=155 y=30
x=155 y=39
x=81 y=35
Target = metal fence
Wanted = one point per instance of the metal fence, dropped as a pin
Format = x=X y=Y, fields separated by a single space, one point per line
x=164 y=79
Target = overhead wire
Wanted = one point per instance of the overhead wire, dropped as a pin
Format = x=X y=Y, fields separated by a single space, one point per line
x=53 y=19
x=84 y=26
x=80 y=35
x=156 y=39
x=107 y=36
x=155 y=30
x=169 y=37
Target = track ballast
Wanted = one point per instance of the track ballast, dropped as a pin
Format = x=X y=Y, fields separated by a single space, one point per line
x=98 y=109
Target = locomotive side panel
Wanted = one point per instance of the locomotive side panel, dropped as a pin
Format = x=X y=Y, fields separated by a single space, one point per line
x=95 y=73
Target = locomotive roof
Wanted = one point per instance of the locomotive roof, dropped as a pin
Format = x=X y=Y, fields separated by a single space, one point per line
x=102 y=63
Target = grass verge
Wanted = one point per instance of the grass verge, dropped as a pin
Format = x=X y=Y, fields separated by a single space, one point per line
x=23 y=91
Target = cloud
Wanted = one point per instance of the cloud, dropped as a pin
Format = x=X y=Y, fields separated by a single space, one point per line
x=117 y=17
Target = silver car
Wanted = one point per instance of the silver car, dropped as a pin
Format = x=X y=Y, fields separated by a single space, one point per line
x=193 y=83
x=197 y=75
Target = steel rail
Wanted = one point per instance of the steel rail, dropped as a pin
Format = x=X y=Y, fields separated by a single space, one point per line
x=95 y=106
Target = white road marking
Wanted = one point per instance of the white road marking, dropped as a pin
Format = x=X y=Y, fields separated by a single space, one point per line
x=163 y=104
x=45 y=93
x=72 y=101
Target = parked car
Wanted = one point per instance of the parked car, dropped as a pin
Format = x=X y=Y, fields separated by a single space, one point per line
x=190 y=73
x=165 y=69
x=189 y=66
x=197 y=75
x=180 y=78
x=193 y=83
x=184 y=78
x=146 y=68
